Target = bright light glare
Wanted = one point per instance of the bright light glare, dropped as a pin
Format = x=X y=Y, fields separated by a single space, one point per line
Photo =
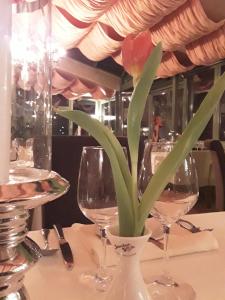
x=106 y=118
x=109 y=118
x=24 y=51
x=94 y=116
x=31 y=42
x=145 y=129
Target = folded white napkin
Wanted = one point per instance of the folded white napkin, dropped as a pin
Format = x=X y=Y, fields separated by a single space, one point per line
x=181 y=242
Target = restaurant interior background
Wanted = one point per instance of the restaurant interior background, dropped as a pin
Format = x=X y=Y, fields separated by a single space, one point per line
x=175 y=99
x=86 y=67
x=88 y=75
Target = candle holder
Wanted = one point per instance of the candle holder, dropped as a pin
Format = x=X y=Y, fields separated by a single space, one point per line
x=27 y=188
x=28 y=182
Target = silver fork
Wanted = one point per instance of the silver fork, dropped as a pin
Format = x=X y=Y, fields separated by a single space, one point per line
x=46 y=251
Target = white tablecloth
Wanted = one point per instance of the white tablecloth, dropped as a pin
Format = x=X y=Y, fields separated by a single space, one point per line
x=49 y=280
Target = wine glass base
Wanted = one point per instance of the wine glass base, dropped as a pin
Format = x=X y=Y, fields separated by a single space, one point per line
x=99 y=281
x=163 y=288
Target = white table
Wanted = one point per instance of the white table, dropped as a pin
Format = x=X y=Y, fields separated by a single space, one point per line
x=49 y=280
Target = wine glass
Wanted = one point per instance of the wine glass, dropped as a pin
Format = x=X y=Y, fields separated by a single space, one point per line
x=97 y=201
x=178 y=197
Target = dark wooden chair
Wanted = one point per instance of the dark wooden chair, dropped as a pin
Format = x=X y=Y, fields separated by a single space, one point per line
x=210 y=165
x=219 y=170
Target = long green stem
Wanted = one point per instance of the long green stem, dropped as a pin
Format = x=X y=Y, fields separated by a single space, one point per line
x=134 y=196
x=135 y=113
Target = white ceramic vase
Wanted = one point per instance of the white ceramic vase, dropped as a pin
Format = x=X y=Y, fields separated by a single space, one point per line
x=128 y=283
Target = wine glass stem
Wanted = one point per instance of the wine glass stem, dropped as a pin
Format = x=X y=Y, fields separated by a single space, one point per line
x=166 y=232
x=102 y=265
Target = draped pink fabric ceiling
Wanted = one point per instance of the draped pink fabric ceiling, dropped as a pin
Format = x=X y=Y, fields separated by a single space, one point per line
x=98 y=28
x=73 y=88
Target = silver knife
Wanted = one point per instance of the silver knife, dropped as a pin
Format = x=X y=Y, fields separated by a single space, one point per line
x=64 y=246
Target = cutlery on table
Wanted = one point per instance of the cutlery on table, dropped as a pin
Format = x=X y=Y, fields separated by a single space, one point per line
x=37 y=249
x=191 y=227
x=65 y=247
x=47 y=251
x=158 y=240
x=32 y=248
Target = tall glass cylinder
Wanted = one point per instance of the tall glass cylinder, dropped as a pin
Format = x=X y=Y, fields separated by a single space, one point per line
x=25 y=97
x=31 y=84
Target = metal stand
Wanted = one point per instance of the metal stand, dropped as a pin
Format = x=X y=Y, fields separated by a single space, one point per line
x=27 y=188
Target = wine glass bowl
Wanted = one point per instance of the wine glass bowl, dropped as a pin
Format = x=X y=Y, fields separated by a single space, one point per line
x=171 y=206
x=103 y=217
x=181 y=192
x=96 y=193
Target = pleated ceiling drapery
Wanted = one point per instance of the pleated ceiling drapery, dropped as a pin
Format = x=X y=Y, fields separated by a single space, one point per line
x=192 y=33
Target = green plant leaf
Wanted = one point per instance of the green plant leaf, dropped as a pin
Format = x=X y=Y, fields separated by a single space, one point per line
x=136 y=110
x=120 y=169
x=120 y=156
x=75 y=116
x=184 y=145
